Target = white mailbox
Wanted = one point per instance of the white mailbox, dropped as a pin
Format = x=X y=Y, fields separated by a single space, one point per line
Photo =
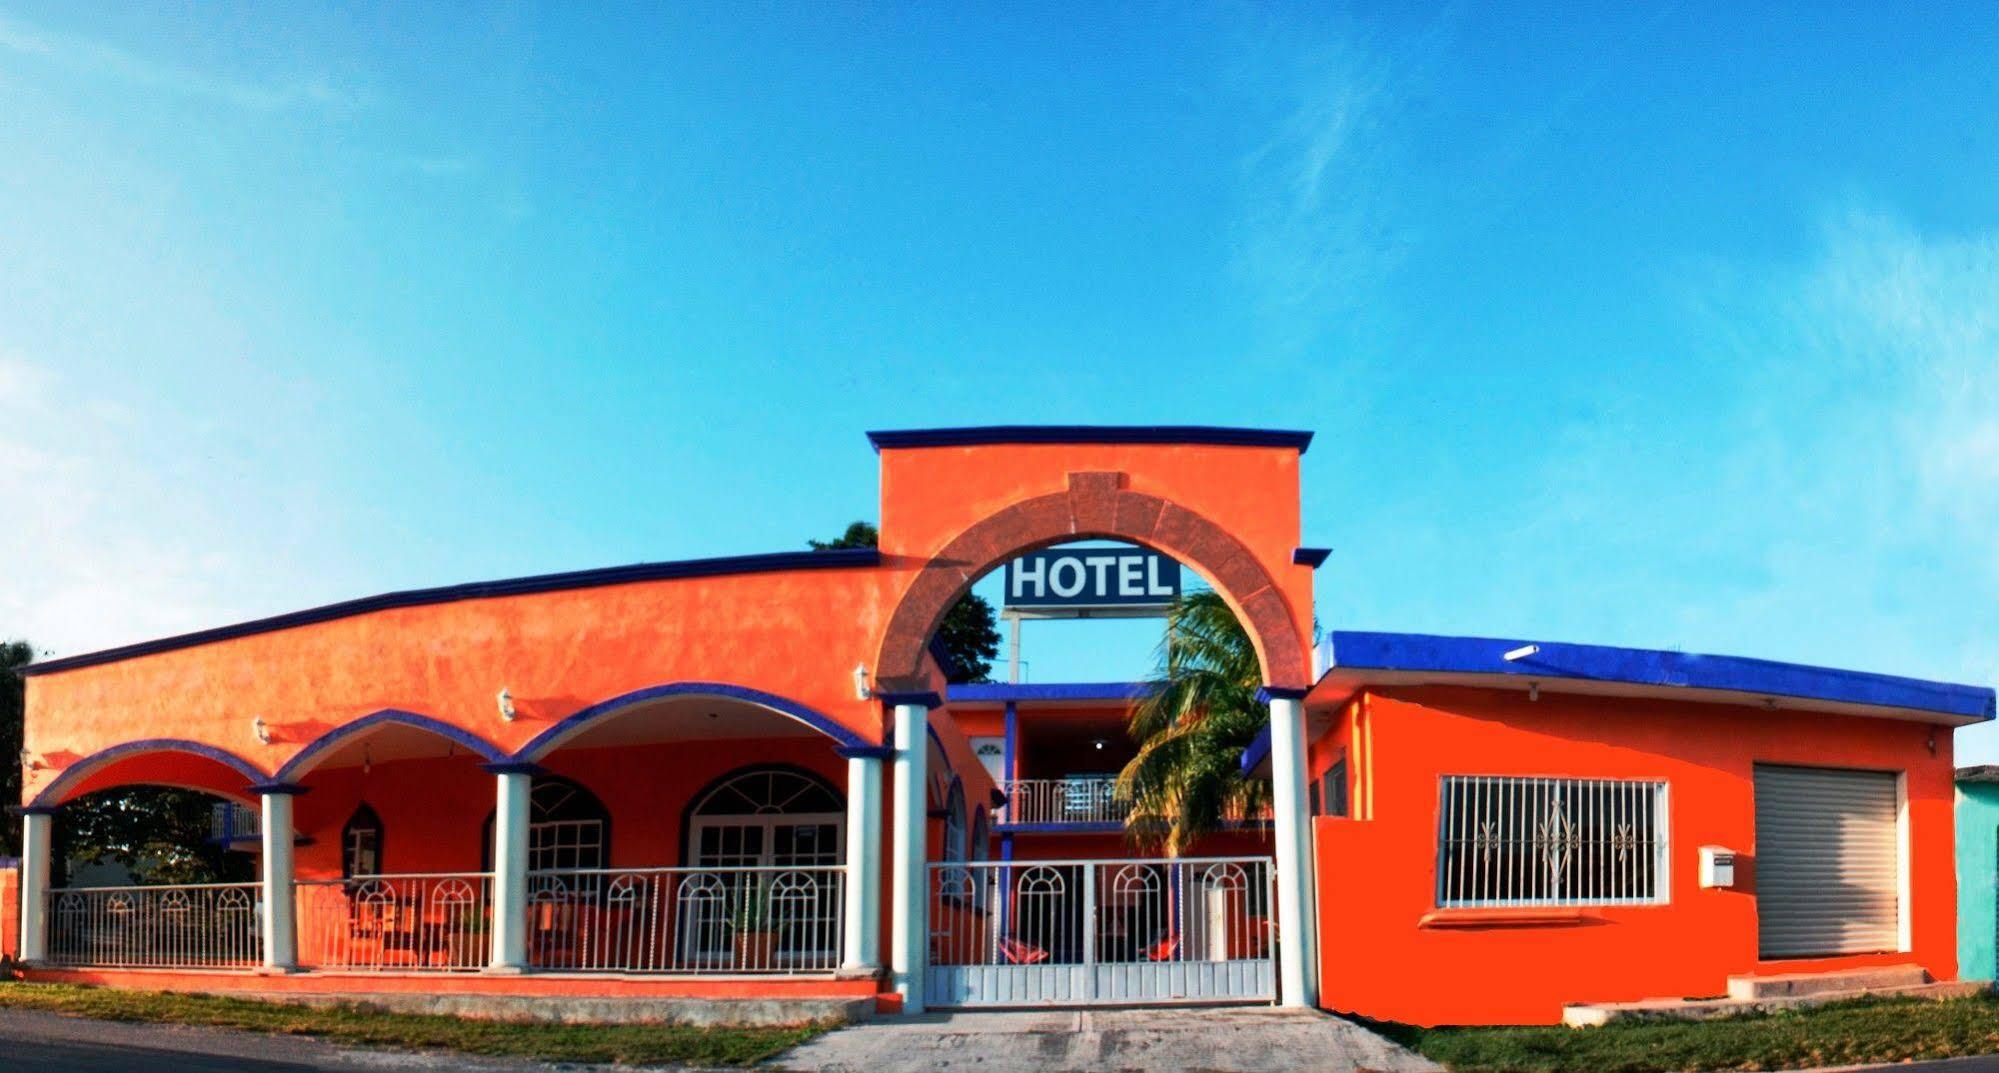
x=1717 y=866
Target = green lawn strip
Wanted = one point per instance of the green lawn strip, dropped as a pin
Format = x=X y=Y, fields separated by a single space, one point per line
x=1857 y=1032
x=630 y=1044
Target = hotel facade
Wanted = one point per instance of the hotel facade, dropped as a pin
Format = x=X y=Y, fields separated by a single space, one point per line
x=751 y=779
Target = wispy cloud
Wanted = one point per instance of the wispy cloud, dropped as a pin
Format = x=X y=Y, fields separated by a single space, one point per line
x=1315 y=227
x=1816 y=477
x=97 y=548
x=93 y=57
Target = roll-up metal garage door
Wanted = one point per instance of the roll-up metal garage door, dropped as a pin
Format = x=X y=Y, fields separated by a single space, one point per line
x=1828 y=857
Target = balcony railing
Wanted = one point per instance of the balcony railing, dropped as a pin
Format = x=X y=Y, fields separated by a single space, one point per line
x=190 y=926
x=1078 y=799
x=755 y=920
x=417 y=922
x=229 y=822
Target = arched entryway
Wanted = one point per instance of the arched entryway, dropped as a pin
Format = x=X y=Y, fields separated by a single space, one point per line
x=990 y=958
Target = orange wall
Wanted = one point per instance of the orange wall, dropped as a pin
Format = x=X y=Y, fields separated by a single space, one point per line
x=559 y=652
x=931 y=494
x=1377 y=876
x=10 y=912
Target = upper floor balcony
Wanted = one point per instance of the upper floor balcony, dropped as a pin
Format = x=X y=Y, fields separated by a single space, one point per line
x=1077 y=801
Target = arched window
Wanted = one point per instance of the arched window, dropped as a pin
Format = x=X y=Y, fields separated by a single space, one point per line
x=361 y=844
x=567 y=827
x=766 y=816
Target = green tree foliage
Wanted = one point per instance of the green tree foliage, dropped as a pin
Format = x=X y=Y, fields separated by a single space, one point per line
x=13 y=707
x=1193 y=728
x=159 y=833
x=968 y=632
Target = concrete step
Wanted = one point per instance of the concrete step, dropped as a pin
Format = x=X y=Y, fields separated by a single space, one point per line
x=1591 y=1015
x=1790 y=985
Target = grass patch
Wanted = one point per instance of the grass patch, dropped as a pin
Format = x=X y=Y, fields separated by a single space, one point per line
x=1856 y=1032
x=629 y=1044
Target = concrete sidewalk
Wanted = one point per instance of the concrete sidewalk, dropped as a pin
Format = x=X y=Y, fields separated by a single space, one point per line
x=1198 y=1040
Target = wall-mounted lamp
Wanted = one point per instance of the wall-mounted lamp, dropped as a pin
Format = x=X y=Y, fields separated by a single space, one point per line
x=1098 y=743
x=261 y=729
x=861 y=690
x=1521 y=653
x=506 y=702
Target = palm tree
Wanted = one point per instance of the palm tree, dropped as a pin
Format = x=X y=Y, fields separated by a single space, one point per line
x=1192 y=728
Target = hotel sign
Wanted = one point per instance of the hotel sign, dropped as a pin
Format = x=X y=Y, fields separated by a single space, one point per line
x=1075 y=579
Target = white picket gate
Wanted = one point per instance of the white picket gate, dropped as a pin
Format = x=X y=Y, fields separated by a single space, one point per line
x=1101 y=932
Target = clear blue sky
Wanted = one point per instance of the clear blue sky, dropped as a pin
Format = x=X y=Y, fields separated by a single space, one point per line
x=1671 y=326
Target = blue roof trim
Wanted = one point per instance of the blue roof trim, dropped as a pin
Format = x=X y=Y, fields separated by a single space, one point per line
x=1312 y=557
x=1093 y=828
x=55 y=792
x=553 y=737
x=977 y=692
x=1258 y=751
x=1364 y=651
x=991 y=434
x=307 y=758
x=479 y=590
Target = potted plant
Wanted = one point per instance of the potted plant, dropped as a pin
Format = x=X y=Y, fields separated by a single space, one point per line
x=756 y=939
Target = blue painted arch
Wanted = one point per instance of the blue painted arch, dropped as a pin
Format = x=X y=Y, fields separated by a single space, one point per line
x=308 y=758
x=56 y=792
x=548 y=740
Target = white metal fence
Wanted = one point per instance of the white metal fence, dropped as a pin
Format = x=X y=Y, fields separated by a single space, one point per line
x=1506 y=841
x=1081 y=799
x=775 y=919
x=1101 y=931
x=189 y=926
x=414 y=922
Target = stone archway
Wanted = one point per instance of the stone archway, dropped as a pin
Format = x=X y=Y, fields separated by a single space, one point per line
x=1095 y=506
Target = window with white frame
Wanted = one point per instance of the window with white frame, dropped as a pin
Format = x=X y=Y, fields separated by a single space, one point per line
x=1506 y=841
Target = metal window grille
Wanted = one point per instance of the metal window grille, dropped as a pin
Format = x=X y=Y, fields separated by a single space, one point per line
x=1529 y=841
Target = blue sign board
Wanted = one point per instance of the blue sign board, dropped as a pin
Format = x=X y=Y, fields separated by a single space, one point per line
x=1077 y=578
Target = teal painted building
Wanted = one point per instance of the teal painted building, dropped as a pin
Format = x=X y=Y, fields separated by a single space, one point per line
x=1977 y=871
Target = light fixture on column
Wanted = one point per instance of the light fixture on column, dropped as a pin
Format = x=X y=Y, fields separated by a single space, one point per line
x=261 y=729
x=861 y=690
x=506 y=702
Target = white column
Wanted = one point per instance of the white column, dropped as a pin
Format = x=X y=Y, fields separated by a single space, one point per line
x=1297 y=920
x=861 y=937
x=280 y=896
x=909 y=939
x=35 y=863
x=510 y=872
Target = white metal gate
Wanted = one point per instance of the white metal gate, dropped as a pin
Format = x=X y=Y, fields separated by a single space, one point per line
x=1101 y=932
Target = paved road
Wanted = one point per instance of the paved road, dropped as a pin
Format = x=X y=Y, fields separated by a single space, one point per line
x=1984 y=1064
x=33 y=1042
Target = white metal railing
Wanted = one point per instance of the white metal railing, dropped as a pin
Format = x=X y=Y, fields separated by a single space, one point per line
x=1101 y=930
x=777 y=919
x=1505 y=841
x=230 y=822
x=1078 y=799
x=183 y=926
x=410 y=922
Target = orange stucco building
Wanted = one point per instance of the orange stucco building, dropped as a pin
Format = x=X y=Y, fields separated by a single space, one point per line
x=641 y=781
